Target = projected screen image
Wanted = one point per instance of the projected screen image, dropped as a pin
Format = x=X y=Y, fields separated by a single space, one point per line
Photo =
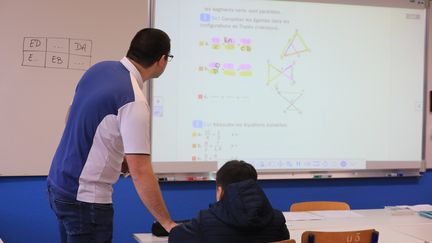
x=289 y=85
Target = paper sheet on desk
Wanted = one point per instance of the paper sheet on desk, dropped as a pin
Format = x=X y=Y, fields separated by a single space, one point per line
x=337 y=214
x=300 y=216
x=420 y=207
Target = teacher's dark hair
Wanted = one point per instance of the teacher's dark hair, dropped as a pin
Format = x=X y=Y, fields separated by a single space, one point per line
x=148 y=46
x=235 y=171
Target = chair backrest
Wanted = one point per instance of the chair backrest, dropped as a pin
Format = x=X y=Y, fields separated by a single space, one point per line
x=318 y=206
x=285 y=241
x=360 y=236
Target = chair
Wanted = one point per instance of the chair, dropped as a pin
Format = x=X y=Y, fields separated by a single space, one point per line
x=318 y=206
x=360 y=236
x=285 y=241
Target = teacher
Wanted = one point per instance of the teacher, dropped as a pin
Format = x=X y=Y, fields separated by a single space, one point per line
x=108 y=123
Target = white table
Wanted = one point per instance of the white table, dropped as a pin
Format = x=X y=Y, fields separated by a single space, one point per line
x=149 y=238
x=371 y=217
x=391 y=228
x=423 y=231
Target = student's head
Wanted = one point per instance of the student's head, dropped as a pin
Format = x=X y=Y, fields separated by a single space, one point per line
x=231 y=172
x=150 y=47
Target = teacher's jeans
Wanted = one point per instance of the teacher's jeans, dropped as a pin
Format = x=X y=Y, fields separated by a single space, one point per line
x=81 y=222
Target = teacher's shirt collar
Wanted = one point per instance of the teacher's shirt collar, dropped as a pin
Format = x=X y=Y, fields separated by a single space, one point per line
x=133 y=70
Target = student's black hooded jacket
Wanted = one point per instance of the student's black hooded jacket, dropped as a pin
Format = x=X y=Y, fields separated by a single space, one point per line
x=244 y=214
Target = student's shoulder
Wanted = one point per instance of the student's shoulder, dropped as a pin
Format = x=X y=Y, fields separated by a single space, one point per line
x=204 y=215
x=278 y=217
x=209 y=219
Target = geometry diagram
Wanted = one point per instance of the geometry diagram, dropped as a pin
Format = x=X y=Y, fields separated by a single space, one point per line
x=291 y=98
x=295 y=46
x=274 y=73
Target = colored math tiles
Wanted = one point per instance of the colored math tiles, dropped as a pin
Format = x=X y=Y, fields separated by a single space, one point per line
x=63 y=53
x=227 y=43
x=227 y=69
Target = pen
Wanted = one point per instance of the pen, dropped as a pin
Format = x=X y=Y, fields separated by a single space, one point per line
x=395 y=174
x=196 y=178
x=321 y=176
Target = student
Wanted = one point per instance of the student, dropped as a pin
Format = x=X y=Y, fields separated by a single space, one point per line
x=242 y=212
x=108 y=122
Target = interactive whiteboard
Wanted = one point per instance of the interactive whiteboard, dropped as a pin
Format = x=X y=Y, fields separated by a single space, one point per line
x=291 y=85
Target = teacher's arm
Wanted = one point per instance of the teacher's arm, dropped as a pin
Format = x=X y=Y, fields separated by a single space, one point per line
x=147 y=187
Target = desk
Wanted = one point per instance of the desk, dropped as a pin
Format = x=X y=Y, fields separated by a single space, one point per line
x=149 y=238
x=371 y=217
x=391 y=228
x=423 y=231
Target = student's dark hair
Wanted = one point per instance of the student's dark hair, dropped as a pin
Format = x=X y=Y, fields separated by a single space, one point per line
x=148 y=46
x=235 y=171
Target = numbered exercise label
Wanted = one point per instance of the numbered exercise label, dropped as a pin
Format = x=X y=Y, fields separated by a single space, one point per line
x=65 y=53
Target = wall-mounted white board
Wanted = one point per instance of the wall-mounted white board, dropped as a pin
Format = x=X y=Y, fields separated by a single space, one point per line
x=45 y=47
